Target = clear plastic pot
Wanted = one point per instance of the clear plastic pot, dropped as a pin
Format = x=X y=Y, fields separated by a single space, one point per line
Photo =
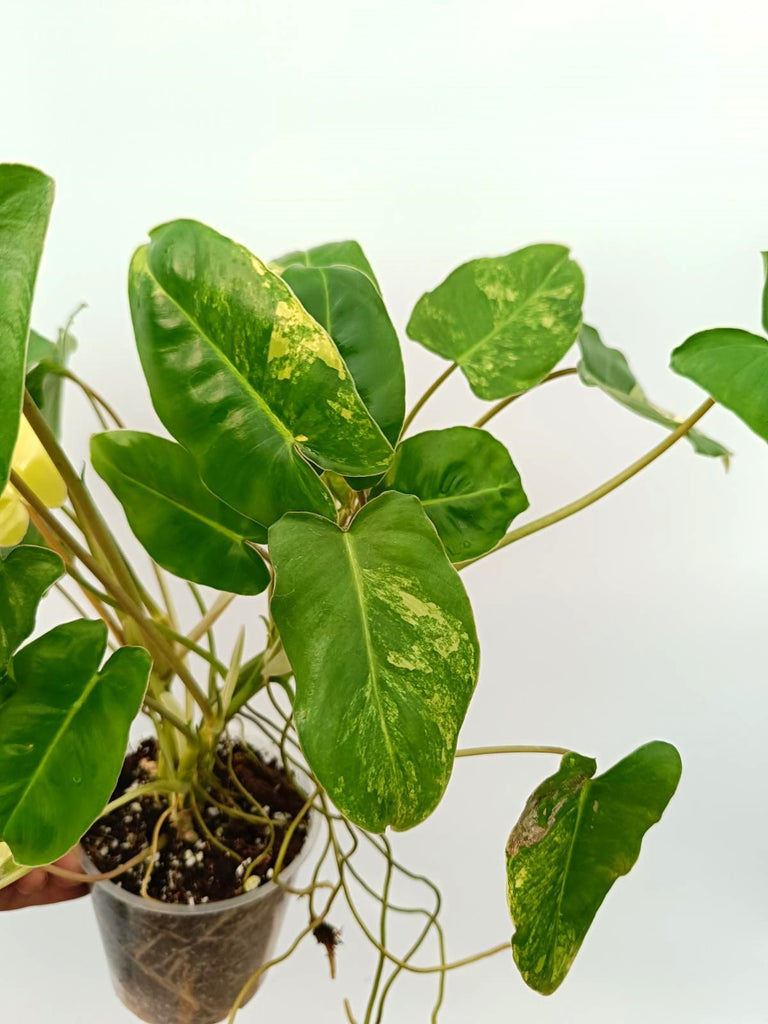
x=177 y=964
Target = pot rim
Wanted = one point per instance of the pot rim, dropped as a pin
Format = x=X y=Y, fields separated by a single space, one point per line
x=151 y=906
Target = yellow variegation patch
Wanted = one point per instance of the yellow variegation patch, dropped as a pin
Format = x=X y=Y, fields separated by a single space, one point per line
x=380 y=634
x=243 y=376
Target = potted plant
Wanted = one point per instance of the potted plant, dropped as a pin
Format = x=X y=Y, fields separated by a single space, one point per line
x=293 y=474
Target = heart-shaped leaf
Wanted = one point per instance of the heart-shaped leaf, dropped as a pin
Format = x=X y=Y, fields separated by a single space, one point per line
x=505 y=321
x=332 y=254
x=243 y=377
x=26 y=198
x=732 y=365
x=380 y=634
x=25 y=576
x=182 y=525
x=467 y=483
x=63 y=734
x=608 y=369
x=347 y=304
x=576 y=836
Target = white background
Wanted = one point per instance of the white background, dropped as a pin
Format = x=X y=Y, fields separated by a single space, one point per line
x=435 y=132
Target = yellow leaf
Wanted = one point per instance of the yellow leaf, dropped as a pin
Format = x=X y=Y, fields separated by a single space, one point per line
x=34 y=466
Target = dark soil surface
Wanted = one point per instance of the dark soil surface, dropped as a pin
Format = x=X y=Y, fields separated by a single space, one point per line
x=190 y=867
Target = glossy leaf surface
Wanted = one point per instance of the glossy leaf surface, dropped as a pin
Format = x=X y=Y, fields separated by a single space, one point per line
x=576 y=836
x=25 y=576
x=380 y=634
x=182 y=525
x=608 y=369
x=467 y=483
x=506 y=321
x=26 y=197
x=63 y=735
x=243 y=377
x=332 y=254
x=347 y=304
x=732 y=366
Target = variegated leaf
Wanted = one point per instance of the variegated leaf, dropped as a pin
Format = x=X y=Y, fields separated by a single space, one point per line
x=576 y=836
x=380 y=634
x=243 y=377
x=346 y=303
x=505 y=321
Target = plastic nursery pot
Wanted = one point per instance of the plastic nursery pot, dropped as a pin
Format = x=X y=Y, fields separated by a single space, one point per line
x=181 y=964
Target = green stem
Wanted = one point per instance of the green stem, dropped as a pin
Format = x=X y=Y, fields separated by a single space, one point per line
x=86 y=511
x=481 y=751
x=382 y=936
x=496 y=409
x=138 y=791
x=426 y=397
x=599 y=492
x=437 y=968
x=152 y=635
x=165 y=593
x=178 y=723
x=213 y=694
x=219 y=606
x=93 y=397
x=184 y=641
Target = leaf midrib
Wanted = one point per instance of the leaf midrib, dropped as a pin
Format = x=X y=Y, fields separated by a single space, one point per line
x=458 y=497
x=372 y=676
x=281 y=427
x=294 y=446
x=558 y=908
x=184 y=508
x=65 y=723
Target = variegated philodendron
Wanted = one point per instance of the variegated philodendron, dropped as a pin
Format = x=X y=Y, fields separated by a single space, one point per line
x=292 y=474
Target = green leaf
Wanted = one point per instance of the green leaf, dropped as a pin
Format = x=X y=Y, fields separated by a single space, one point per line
x=608 y=369
x=506 y=321
x=254 y=675
x=38 y=349
x=346 y=303
x=576 y=836
x=242 y=376
x=184 y=527
x=332 y=254
x=63 y=736
x=732 y=365
x=26 y=198
x=25 y=576
x=380 y=634
x=765 y=292
x=467 y=483
x=44 y=378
